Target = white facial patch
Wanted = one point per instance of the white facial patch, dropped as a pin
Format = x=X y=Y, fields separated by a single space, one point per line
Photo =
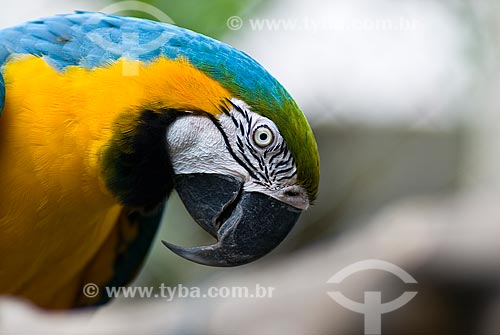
x=197 y=146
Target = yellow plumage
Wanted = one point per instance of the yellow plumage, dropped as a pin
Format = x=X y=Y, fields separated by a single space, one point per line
x=57 y=219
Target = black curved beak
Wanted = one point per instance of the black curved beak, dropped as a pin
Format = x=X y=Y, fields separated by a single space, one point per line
x=247 y=225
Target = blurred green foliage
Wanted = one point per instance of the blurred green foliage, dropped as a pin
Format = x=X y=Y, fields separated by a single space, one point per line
x=206 y=17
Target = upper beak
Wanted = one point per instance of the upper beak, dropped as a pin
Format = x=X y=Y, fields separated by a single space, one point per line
x=247 y=225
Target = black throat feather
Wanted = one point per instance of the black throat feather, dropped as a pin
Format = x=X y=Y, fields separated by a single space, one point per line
x=135 y=164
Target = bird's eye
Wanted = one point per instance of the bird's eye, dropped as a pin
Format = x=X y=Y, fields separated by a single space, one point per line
x=263 y=136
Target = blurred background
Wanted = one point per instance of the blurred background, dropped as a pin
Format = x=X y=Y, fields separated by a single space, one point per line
x=402 y=97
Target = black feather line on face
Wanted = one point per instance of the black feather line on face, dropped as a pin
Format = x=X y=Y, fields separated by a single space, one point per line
x=242 y=129
x=224 y=109
x=284 y=162
x=288 y=176
x=229 y=148
x=280 y=152
x=278 y=172
x=262 y=172
x=237 y=108
x=255 y=155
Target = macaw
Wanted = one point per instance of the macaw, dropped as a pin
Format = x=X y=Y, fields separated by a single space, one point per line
x=103 y=117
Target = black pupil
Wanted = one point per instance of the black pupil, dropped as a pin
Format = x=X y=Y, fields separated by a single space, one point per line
x=263 y=136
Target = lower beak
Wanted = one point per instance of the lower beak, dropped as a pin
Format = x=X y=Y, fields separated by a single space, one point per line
x=247 y=225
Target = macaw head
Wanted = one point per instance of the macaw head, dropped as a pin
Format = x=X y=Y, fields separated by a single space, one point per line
x=245 y=173
x=242 y=179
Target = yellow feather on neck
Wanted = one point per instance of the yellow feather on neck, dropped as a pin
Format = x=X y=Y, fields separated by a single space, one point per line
x=56 y=212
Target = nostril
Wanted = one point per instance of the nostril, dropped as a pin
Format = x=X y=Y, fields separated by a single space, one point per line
x=292 y=193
